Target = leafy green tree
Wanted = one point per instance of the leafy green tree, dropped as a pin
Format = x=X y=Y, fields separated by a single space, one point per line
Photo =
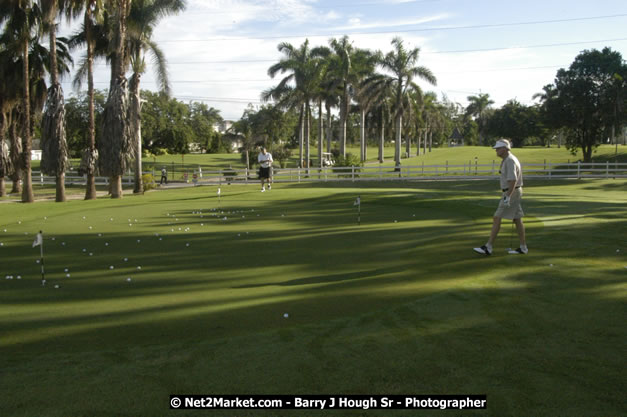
x=77 y=121
x=202 y=120
x=515 y=121
x=583 y=98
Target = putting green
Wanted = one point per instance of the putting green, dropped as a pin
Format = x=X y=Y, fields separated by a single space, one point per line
x=398 y=304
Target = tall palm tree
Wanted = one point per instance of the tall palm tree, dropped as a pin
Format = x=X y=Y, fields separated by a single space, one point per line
x=402 y=65
x=92 y=31
x=144 y=17
x=115 y=149
x=53 y=141
x=21 y=19
x=348 y=67
x=9 y=97
x=296 y=90
x=476 y=108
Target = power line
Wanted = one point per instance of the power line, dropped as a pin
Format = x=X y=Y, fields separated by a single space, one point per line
x=483 y=26
x=424 y=53
x=334 y=6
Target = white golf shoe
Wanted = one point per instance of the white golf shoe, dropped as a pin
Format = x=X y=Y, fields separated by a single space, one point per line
x=483 y=250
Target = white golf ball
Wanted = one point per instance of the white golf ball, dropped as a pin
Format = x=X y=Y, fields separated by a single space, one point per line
x=56 y=286
x=19 y=277
x=139 y=267
x=67 y=275
x=617 y=250
x=65 y=270
x=160 y=238
x=128 y=279
x=125 y=259
x=286 y=315
x=63 y=243
x=106 y=243
x=91 y=254
x=37 y=261
x=138 y=240
x=53 y=239
x=187 y=244
x=111 y=267
x=90 y=227
x=1 y=244
x=84 y=250
x=551 y=265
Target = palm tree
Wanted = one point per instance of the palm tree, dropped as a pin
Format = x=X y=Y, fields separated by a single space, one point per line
x=401 y=64
x=144 y=17
x=297 y=89
x=53 y=142
x=21 y=18
x=9 y=97
x=348 y=67
x=115 y=148
x=477 y=107
x=92 y=31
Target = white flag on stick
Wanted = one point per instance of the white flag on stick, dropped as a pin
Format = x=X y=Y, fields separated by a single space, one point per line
x=38 y=240
x=218 y=191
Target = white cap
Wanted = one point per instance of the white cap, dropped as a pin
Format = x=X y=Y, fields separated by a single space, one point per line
x=502 y=143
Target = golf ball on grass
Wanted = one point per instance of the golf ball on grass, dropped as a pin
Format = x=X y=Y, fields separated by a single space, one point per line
x=285 y=315
x=111 y=267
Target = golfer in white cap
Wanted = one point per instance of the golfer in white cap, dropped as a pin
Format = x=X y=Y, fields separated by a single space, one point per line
x=510 y=204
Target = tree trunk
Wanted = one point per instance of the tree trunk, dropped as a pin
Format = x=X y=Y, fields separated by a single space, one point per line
x=424 y=142
x=381 y=140
x=430 y=140
x=60 y=192
x=90 y=188
x=320 y=133
x=27 y=187
x=329 y=127
x=307 y=122
x=362 y=135
x=344 y=103
x=116 y=186
x=301 y=122
x=136 y=138
x=397 y=144
x=16 y=159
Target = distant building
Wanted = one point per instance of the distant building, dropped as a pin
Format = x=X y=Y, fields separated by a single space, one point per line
x=456 y=138
x=222 y=126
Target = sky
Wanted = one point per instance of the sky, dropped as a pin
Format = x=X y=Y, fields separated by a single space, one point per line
x=219 y=52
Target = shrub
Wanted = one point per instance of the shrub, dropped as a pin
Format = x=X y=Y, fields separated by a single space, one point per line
x=149 y=182
x=349 y=160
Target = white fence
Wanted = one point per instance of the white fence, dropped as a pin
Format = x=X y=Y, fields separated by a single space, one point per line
x=423 y=172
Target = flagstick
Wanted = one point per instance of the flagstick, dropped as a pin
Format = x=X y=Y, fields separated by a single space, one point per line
x=41 y=249
x=359 y=212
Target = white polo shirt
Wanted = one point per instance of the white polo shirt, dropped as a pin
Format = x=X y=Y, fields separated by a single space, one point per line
x=265 y=160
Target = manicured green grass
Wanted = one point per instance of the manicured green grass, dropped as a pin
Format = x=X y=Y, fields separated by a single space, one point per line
x=397 y=305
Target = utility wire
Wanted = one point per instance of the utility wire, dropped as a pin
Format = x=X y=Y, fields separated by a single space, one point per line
x=483 y=26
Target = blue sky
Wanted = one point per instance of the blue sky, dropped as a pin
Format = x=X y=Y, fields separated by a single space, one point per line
x=219 y=51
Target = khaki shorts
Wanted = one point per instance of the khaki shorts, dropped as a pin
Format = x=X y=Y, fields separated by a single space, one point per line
x=514 y=211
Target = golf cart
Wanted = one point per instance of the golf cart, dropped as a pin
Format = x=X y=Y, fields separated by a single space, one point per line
x=327 y=159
